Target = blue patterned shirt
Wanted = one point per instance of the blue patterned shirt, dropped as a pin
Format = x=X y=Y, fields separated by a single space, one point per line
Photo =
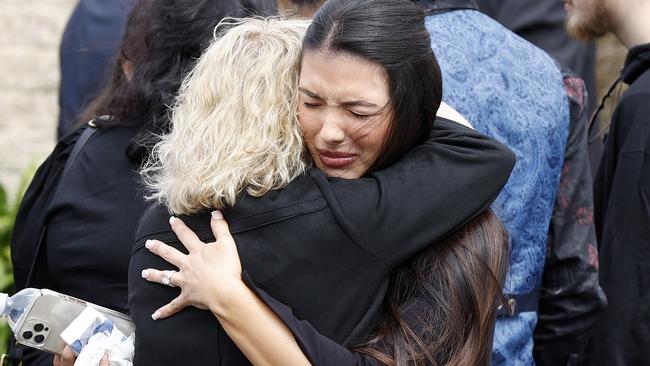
x=513 y=91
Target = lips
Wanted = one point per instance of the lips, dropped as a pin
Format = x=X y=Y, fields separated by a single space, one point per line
x=336 y=160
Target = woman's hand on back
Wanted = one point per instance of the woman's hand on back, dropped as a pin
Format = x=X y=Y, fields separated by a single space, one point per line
x=206 y=275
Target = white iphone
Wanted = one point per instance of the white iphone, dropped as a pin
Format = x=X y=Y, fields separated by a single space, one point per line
x=51 y=313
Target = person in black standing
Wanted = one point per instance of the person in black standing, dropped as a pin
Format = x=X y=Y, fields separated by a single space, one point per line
x=92 y=216
x=622 y=187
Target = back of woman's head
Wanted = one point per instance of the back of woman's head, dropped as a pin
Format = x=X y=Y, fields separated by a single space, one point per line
x=442 y=305
x=390 y=33
x=162 y=40
x=234 y=126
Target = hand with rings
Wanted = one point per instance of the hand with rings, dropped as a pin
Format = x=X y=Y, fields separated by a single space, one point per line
x=167 y=278
x=205 y=275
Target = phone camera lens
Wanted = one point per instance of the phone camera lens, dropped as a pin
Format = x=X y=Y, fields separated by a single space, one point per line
x=47 y=329
x=39 y=338
x=39 y=327
x=27 y=334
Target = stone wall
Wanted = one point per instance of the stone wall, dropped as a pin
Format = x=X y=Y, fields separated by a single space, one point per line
x=29 y=79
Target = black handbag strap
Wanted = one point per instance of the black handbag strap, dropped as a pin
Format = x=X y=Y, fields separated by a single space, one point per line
x=79 y=144
x=15 y=352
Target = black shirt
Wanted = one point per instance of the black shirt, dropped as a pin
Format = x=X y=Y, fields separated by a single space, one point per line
x=324 y=246
x=90 y=228
x=622 y=214
x=93 y=220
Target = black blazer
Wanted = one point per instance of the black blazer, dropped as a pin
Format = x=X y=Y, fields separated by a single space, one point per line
x=324 y=246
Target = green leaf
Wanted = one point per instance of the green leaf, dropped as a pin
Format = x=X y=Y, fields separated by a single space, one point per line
x=5 y=332
x=4 y=205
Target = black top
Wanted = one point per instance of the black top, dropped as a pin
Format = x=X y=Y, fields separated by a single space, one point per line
x=320 y=350
x=324 y=246
x=91 y=222
x=93 y=219
x=622 y=203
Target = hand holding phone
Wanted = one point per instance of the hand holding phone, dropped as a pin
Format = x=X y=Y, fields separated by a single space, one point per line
x=50 y=313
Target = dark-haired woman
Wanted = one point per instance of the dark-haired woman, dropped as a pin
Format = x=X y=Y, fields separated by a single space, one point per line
x=92 y=217
x=368 y=93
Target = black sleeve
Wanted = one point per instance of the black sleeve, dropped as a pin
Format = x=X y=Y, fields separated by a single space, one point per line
x=27 y=356
x=436 y=188
x=319 y=350
x=570 y=295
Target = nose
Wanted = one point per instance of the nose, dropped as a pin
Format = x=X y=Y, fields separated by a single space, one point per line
x=332 y=131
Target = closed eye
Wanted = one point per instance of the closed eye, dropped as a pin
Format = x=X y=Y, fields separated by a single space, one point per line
x=359 y=116
x=311 y=105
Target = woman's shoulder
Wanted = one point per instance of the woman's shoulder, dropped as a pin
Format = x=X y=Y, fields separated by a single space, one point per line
x=106 y=151
x=154 y=222
x=301 y=197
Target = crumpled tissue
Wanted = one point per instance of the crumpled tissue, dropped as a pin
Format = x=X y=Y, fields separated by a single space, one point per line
x=92 y=334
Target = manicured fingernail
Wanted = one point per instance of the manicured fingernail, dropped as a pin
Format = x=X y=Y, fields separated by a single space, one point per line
x=217 y=215
x=155 y=315
x=105 y=357
x=145 y=273
x=172 y=220
x=149 y=244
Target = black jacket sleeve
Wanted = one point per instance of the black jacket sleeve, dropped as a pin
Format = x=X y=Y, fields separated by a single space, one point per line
x=319 y=350
x=455 y=175
x=570 y=295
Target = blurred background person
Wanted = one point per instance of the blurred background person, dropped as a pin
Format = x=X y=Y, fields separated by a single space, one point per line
x=514 y=91
x=622 y=187
x=541 y=22
x=90 y=41
x=570 y=297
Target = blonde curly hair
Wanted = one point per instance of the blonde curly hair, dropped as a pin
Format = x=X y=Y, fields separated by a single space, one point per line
x=234 y=124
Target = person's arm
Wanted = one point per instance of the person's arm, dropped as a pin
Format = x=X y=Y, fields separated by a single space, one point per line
x=319 y=349
x=265 y=341
x=570 y=295
x=264 y=329
x=436 y=188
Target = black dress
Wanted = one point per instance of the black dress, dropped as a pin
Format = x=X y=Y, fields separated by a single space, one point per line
x=324 y=246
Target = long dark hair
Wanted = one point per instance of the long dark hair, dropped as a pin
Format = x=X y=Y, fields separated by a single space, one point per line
x=442 y=305
x=392 y=34
x=162 y=40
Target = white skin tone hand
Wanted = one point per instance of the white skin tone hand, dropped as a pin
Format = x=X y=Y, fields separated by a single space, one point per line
x=218 y=261
x=210 y=278
x=68 y=358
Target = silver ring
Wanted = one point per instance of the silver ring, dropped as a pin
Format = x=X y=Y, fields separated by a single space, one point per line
x=167 y=278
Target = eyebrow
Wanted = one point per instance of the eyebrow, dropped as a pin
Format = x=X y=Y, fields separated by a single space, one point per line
x=353 y=103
